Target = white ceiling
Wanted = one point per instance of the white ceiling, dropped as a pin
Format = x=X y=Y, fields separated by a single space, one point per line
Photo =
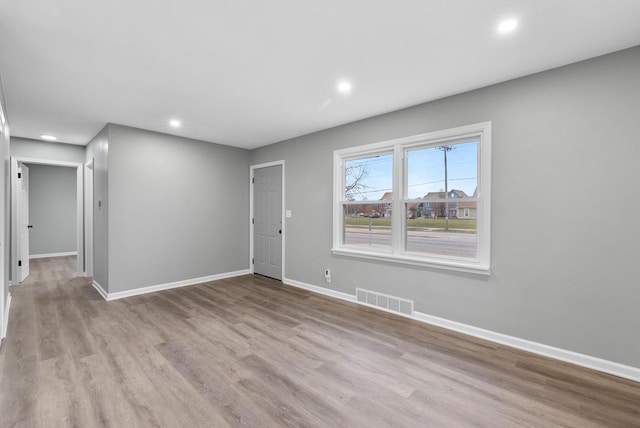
x=248 y=73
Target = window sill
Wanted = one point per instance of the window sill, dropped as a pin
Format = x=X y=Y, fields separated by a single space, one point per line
x=452 y=265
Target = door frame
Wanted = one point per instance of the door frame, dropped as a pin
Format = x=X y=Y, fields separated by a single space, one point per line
x=88 y=217
x=14 y=208
x=252 y=169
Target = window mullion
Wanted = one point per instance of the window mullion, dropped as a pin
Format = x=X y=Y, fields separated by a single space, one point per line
x=398 y=218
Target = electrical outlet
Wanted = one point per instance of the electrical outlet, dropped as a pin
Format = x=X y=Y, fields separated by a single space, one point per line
x=327 y=275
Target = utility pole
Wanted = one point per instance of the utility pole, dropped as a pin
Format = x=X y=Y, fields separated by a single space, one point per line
x=446 y=149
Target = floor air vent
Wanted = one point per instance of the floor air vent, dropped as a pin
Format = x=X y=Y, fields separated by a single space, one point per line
x=384 y=301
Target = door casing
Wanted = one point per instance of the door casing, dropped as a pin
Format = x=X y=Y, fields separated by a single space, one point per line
x=88 y=218
x=14 y=206
x=252 y=169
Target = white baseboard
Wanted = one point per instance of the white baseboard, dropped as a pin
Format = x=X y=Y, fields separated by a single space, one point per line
x=5 y=323
x=320 y=290
x=599 y=364
x=167 y=286
x=100 y=290
x=42 y=256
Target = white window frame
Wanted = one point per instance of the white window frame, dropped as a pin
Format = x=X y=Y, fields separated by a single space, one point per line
x=481 y=263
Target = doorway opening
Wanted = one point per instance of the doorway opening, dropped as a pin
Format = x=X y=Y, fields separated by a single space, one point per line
x=267 y=220
x=21 y=226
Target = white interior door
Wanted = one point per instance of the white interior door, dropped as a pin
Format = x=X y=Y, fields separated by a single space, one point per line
x=267 y=215
x=23 y=222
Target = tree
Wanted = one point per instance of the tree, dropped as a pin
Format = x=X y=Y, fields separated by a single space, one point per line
x=438 y=209
x=354 y=180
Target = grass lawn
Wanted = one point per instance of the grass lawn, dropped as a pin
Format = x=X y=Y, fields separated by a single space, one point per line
x=436 y=223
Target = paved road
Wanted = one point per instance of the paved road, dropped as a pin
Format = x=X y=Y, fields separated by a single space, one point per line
x=423 y=241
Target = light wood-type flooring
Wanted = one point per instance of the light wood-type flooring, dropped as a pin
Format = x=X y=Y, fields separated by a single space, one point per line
x=250 y=351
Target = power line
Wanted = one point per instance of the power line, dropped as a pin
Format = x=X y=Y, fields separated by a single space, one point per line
x=413 y=185
x=441 y=181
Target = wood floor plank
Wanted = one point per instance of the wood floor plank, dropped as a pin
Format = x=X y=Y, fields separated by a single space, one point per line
x=217 y=385
x=251 y=352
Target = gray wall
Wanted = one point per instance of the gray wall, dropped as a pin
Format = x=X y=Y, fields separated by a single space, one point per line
x=178 y=208
x=564 y=233
x=98 y=151
x=52 y=209
x=27 y=148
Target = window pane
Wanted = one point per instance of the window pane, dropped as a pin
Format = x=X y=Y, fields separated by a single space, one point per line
x=427 y=168
x=367 y=225
x=438 y=235
x=368 y=179
x=444 y=223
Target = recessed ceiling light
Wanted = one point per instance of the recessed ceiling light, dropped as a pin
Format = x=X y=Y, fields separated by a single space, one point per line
x=48 y=137
x=344 y=87
x=507 y=26
x=175 y=123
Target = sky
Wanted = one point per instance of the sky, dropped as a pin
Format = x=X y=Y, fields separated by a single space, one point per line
x=425 y=171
